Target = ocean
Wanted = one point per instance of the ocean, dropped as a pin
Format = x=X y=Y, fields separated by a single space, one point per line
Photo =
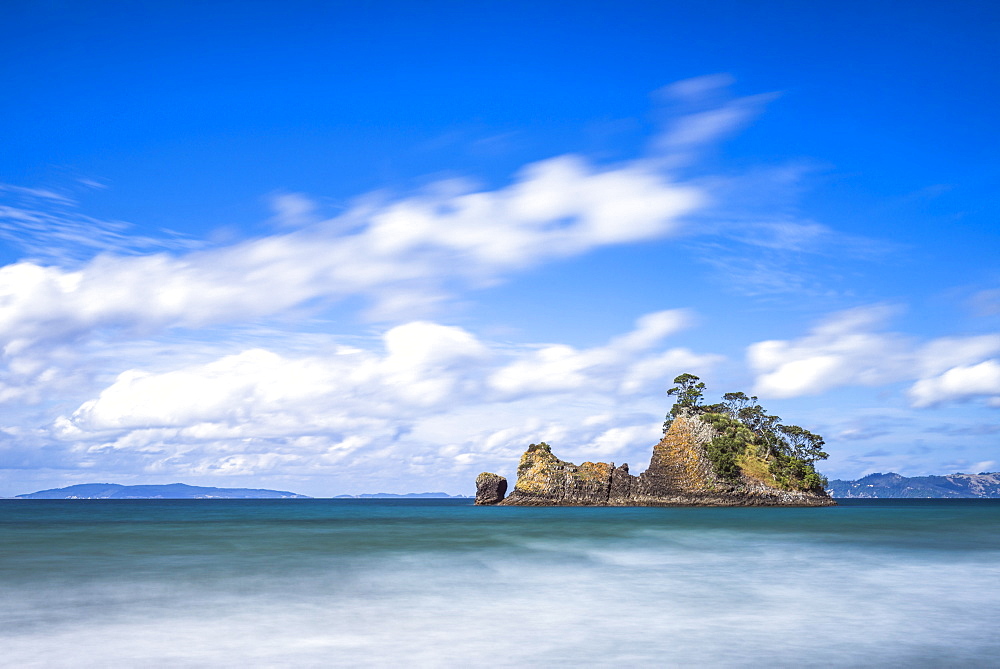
x=442 y=583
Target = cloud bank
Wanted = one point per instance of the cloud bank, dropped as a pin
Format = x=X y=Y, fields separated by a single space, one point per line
x=123 y=353
x=255 y=410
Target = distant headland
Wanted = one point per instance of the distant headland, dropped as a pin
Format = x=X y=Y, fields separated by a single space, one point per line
x=184 y=491
x=985 y=485
x=168 y=491
x=727 y=454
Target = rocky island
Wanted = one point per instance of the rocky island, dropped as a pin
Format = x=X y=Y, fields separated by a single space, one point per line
x=727 y=454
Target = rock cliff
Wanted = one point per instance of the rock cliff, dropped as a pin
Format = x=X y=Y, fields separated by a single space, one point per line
x=679 y=474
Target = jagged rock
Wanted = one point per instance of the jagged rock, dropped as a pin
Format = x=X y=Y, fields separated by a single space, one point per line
x=545 y=480
x=490 y=488
x=621 y=483
x=679 y=474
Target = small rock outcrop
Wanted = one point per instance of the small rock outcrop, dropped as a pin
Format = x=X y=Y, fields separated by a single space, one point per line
x=679 y=474
x=490 y=488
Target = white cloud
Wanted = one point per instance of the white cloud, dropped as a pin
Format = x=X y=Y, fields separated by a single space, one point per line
x=400 y=254
x=942 y=354
x=315 y=411
x=958 y=383
x=842 y=350
x=560 y=368
x=849 y=348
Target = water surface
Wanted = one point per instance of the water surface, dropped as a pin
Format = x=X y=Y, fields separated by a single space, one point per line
x=441 y=583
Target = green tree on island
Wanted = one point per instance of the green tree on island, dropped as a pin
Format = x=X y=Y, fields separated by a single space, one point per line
x=689 y=392
x=749 y=437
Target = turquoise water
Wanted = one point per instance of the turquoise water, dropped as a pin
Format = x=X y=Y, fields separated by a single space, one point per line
x=441 y=583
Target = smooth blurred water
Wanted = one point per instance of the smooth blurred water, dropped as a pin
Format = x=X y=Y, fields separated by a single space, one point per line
x=441 y=583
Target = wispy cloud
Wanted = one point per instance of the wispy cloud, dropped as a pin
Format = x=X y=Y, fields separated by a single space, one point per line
x=48 y=227
x=702 y=111
x=986 y=302
x=760 y=245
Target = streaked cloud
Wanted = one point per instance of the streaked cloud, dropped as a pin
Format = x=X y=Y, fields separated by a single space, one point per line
x=851 y=348
x=961 y=382
x=49 y=227
x=402 y=255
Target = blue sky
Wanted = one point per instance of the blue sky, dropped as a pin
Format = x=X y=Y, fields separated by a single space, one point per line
x=355 y=247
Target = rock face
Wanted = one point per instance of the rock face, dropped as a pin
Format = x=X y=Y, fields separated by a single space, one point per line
x=544 y=480
x=490 y=488
x=679 y=474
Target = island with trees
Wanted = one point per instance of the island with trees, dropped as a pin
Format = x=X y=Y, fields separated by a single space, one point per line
x=732 y=453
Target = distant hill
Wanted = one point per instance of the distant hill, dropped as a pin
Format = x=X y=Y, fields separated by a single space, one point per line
x=409 y=495
x=169 y=491
x=985 y=485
